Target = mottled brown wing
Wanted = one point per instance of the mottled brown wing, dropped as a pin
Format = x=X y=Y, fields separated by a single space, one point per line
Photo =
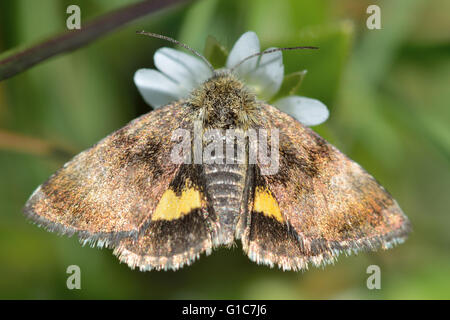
x=180 y=229
x=327 y=204
x=110 y=190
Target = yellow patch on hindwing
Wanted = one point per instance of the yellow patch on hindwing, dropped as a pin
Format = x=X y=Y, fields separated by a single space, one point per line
x=266 y=204
x=172 y=206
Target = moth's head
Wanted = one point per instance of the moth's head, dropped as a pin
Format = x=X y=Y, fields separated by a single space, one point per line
x=224 y=101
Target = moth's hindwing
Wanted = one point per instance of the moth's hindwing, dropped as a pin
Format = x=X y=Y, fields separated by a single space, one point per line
x=179 y=229
x=108 y=192
x=318 y=204
x=268 y=238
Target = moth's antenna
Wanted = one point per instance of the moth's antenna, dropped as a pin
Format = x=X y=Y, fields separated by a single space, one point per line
x=159 y=36
x=269 y=51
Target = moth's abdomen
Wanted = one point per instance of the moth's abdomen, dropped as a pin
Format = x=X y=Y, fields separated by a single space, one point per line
x=225 y=184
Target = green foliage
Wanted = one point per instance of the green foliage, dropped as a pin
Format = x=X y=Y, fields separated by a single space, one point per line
x=215 y=52
x=291 y=84
x=387 y=91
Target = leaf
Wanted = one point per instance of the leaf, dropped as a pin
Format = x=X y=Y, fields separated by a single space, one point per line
x=326 y=65
x=291 y=84
x=215 y=53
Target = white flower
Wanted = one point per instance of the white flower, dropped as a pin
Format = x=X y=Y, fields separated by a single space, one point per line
x=179 y=73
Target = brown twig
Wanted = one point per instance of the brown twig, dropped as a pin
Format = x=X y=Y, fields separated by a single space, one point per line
x=19 y=61
x=39 y=147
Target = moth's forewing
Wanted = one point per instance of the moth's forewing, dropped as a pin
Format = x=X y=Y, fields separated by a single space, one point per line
x=327 y=202
x=110 y=190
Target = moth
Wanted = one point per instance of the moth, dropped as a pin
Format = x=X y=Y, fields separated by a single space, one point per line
x=127 y=193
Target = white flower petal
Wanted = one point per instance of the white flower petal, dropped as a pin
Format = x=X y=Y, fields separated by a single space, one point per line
x=246 y=45
x=187 y=70
x=308 y=111
x=157 y=89
x=266 y=79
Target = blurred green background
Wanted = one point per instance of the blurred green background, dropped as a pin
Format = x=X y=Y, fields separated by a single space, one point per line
x=387 y=90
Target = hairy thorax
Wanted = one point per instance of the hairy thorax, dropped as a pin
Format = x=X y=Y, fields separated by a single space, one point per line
x=224 y=102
